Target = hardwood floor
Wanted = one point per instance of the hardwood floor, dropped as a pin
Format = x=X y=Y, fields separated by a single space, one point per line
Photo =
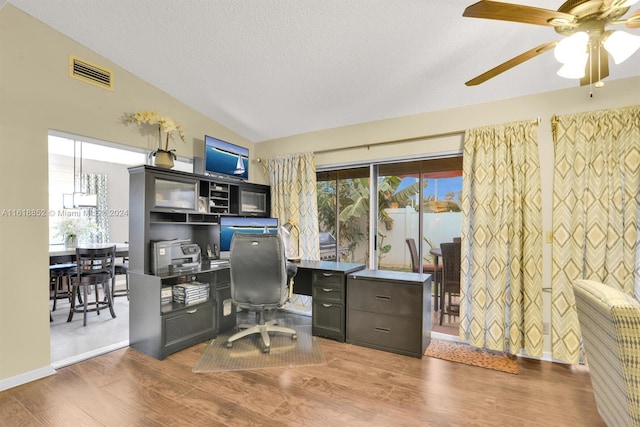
x=357 y=387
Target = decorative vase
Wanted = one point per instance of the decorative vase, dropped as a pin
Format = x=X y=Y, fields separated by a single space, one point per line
x=163 y=159
x=71 y=241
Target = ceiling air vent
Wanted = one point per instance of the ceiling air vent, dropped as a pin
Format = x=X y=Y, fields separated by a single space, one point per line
x=90 y=73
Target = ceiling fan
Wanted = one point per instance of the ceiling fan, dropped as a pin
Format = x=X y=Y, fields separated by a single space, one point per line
x=584 y=52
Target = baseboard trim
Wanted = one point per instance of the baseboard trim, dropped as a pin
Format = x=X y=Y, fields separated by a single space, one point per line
x=89 y=354
x=444 y=337
x=26 y=377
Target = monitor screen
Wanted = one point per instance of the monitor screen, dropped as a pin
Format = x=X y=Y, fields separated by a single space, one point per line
x=224 y=158
x=231 y=224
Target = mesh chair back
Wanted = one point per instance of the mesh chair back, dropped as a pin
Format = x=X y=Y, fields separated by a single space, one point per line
x=451 y=266
x=258 y=270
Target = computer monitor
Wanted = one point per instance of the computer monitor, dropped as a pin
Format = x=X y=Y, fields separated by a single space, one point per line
x=231 y=224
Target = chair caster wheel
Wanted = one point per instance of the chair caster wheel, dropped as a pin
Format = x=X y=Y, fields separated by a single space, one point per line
x=266 y=349
x=294 y=336
x=229 y=344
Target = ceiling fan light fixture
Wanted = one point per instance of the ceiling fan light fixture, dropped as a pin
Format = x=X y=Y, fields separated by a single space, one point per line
x=574 y=69
x=621 y=45
x=572 y=49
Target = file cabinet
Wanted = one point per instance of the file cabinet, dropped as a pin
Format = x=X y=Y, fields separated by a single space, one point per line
x=326 y=282
x=389 y=310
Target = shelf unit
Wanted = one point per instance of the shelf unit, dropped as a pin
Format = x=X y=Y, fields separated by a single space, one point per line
x=167 y=205
x=219 y=198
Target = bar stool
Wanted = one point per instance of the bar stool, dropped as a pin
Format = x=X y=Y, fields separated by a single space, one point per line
x=120 y=269
x=95 y=267
x=57 y=274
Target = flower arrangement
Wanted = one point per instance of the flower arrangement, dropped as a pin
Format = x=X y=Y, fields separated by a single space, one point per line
x=73 y=229
x=164 y=124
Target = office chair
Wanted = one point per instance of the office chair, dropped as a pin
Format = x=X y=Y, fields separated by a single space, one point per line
x=259 y=282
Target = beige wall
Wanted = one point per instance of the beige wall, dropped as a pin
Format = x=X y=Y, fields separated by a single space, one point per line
x=614 y=94
x=36 y=95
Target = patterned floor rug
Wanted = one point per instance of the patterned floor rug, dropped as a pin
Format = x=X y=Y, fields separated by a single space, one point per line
x=246 y=353
x=462 y=353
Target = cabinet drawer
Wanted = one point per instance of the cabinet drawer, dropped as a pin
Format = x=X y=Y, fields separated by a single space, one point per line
x=384 y=297
x=393 y=333
x=327 y=278
x=328 y=294
x=223 y=277
x=328 y=320
x=184 y=327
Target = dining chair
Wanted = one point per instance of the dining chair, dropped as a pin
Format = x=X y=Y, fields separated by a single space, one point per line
x=59 y=277
x=122 y=269
x=450 y=277
x=426 y=268
x=95 y=270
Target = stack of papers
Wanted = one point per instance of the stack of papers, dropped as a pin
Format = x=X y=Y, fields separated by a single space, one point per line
x=191 y=293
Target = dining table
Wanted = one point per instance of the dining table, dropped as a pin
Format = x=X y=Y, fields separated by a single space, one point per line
x=60 y=253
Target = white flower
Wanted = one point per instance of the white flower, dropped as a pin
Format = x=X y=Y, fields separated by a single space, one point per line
x=166 y=124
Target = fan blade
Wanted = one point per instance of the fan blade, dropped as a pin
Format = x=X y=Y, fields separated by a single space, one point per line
x=597 y=66
x=633 y=21
x=517 y=13
x=511 y=63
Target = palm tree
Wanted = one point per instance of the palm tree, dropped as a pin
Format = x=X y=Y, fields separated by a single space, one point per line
x=353 y=204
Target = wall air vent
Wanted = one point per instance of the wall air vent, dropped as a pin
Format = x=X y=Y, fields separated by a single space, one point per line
x=87 y=72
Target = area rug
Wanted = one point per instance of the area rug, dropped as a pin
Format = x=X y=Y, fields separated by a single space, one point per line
x=462 y=353
x=246 y=353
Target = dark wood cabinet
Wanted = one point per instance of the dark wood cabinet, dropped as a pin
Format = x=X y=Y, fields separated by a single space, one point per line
x=168 y=205
x=389 y=310
x=325 y=281
x=161 y=329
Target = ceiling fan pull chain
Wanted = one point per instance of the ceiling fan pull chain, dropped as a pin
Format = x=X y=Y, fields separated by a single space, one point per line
x=590 y=69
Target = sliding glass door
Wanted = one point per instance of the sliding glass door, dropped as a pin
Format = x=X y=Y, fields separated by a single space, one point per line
x=416 y=200
x=343 y=214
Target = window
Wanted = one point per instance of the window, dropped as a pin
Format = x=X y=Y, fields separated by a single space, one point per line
x=415 y=199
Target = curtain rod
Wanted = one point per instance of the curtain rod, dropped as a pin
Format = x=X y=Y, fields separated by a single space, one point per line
x=394 y=141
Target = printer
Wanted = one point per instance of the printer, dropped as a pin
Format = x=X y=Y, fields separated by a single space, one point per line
x=174 y=256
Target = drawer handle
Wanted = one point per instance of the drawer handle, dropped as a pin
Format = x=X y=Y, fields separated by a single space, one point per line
x=327 y=305
x=383 y=297
x=383 y=330
x=327 y=289
x=327 y=274
x=192 y=311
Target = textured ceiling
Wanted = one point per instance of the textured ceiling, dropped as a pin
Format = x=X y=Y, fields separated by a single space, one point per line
x=268 y=69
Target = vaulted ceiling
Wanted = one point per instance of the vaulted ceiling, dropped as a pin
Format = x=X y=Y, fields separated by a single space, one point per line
x=274 y=68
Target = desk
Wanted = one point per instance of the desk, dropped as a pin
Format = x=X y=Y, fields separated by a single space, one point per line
x=439 y=302
x=326 y=281
x=59 y=254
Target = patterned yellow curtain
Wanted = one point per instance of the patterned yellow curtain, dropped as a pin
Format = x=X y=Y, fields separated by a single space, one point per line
x=501 y=272
x=294 y=197
x=595 y=212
